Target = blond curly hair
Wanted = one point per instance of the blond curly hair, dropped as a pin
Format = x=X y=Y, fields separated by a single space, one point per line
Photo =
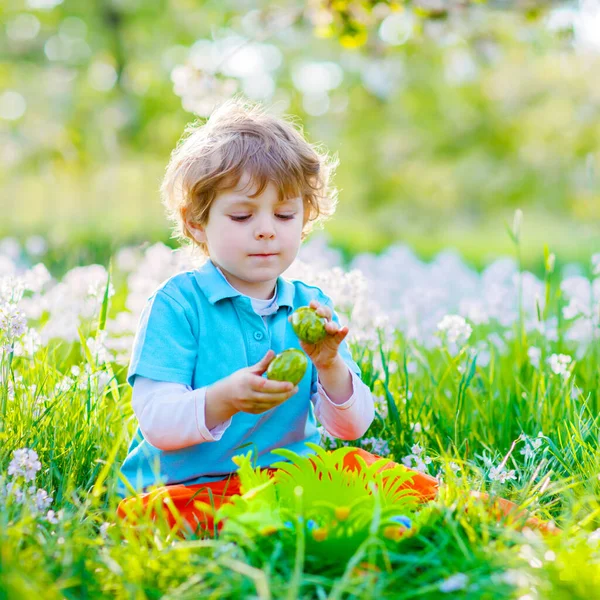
x=242 y=136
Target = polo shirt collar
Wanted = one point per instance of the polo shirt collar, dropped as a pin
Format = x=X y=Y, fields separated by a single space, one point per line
x=216 y=287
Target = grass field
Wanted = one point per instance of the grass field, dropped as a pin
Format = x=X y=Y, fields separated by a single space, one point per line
x=488 y=381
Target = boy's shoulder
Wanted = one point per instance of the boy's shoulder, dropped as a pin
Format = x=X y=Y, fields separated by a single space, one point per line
x=307 y=292
x=179 y=287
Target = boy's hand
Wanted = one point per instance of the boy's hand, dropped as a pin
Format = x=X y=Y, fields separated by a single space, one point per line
x=324 y=353
x=249 y=392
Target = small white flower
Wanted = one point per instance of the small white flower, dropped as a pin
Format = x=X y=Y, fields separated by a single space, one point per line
x=104 y=528
x=416 y=449
x=51 y=517
x=54 y=517
x=64 y=385
x=455 y=582
x=559 y=364
x=25 y=464
x=527 y=451
x=15 y=489
x=535 y=355
x=455 y=328
x=501 y=474
x=42 y=500
x=412 y=461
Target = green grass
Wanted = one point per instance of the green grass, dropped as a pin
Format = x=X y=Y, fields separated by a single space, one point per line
x=469 y=415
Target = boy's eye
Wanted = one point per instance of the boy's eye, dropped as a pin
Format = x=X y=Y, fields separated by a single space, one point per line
x=245 y=217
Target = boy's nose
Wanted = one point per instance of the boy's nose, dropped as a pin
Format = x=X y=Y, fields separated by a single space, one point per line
x=265 y=230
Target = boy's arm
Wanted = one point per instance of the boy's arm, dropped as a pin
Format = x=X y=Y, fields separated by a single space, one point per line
x=217 y=408
x=336 y=379
x=172 y=415
x=348 y=420
x=338 y=384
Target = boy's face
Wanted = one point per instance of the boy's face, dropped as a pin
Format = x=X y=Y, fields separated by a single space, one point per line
x=252 y=240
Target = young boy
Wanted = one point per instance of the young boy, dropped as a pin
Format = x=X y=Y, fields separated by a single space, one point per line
x=245 y=188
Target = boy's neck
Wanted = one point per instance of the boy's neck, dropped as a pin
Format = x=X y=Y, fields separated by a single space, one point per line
x=263 y=290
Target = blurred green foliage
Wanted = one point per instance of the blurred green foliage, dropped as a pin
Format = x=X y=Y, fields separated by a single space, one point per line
x=444 y=123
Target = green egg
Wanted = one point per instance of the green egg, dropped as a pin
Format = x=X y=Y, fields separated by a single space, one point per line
x=290 y=366
x=308 y=325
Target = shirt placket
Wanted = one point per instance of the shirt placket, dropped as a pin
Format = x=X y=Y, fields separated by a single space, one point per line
x=256 y=333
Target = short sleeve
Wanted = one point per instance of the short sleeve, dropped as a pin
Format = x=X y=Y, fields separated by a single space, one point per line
x=165 y=347
x=343 y=349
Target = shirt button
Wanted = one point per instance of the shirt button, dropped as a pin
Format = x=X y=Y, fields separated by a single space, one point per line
x=258 y=335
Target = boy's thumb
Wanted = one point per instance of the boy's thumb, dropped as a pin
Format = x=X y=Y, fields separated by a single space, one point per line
x=264 y=361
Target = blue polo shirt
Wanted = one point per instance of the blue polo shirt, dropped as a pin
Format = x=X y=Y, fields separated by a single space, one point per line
x=196 y=329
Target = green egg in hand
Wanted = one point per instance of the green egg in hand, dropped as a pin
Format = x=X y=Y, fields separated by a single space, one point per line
x=308 y=325
x=290 y=366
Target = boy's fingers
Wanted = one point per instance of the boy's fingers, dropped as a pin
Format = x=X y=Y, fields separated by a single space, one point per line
x=325 y=311
x=270 y=399
x=341 y=334
x=331 y=327
x=262 y=384
x=266 y=359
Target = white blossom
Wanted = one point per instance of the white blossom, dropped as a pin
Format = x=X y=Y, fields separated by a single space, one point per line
x=455 y=328
x=535 y=355
x=501 y=474
x=25 y=464
x=455 y=582
x=559 y=364
x=54 y=517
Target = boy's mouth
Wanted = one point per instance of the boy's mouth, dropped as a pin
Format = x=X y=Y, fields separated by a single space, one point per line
x=264 y=255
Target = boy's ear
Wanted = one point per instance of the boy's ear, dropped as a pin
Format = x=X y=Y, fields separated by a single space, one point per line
x=197 y=231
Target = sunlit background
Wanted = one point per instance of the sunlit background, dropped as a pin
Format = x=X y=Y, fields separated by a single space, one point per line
x=445 y=118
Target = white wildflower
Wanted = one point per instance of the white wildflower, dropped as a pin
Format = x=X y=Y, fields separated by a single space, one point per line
x=535 y=355
x=42 y=499
x=64 y=385
x=14 y=489
x=25 y=464
x=98 y=349
x=29 y=343
x=54 y=517
x=104 y=528
x=13 y=322
x=455 y=328
x=559 y=364
x=378 y=446
x=501 y=474
x=97 y=288
x=455 y=582
x=413 y=461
